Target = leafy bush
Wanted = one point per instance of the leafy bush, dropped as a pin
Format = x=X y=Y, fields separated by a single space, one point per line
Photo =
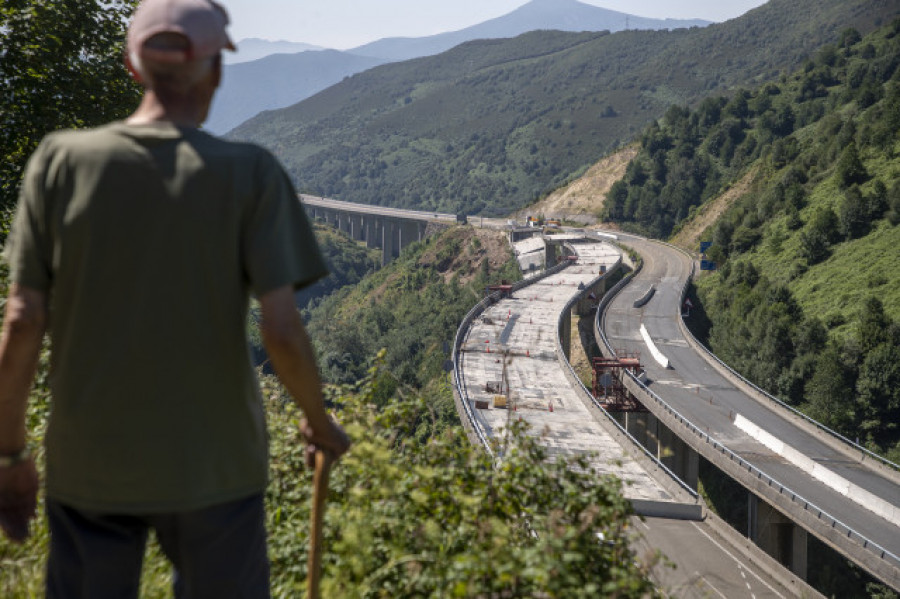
x=409 y=516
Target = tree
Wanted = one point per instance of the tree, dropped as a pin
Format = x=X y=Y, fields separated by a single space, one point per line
x=878 y=395
x=853 y=214
x=61 y=67
x=873 y=326
x=850 y=168
x=828 y=393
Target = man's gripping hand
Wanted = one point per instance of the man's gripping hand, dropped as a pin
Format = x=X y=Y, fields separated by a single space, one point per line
x=18 y=498
x=331 y=439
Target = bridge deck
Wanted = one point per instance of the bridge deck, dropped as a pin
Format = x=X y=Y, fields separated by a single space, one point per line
x=714 y=404
x=524 y=328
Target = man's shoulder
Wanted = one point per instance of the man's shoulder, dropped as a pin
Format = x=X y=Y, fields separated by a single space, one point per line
x=246 y=152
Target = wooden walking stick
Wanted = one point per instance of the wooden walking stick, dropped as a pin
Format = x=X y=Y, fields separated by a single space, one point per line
x=320 y=491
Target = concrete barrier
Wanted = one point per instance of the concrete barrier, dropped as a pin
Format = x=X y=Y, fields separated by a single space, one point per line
x=657 y=355
x=642 y=301
x=833 y=480
x=873 y=558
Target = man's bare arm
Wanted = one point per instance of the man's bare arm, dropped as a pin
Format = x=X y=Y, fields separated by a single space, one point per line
x=291 y=353
x=24 y=323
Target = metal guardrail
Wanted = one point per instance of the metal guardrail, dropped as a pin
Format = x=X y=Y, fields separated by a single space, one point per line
x=816 y=424
x=795 y=498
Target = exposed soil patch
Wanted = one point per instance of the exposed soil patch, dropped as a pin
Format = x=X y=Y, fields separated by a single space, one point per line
x=462 y=251
x=688 y=237
x=582 y=200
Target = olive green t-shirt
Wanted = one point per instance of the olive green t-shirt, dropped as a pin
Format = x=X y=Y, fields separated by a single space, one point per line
x=149 y=241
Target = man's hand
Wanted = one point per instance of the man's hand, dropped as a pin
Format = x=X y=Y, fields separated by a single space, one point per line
x=18 y=498
x=333 y=441
x=294 y=360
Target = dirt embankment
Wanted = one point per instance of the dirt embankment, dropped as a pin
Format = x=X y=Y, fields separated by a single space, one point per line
x=688 y=237
x=582 y=200
x=462 y=250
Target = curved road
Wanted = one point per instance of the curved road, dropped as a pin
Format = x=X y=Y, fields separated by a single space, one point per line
x=704 y=396
x=709 y=561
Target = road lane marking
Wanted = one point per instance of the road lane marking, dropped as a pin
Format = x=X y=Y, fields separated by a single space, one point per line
x=740 y=564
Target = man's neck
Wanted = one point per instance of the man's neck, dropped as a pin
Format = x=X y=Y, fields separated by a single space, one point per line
x=182 y=113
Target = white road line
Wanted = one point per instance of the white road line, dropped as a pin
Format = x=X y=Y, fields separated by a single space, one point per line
x=728 y=553
x=710 y=585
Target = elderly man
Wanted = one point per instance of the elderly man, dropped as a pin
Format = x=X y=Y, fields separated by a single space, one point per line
x=138 y=244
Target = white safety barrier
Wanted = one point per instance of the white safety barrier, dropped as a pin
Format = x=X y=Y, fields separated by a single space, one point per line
x=853 y=492
x=657 y=355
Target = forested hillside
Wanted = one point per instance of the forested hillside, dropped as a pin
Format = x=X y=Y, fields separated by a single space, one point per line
x=412 y=307
x=348 y=262
x=491 y=125
x=806 y=301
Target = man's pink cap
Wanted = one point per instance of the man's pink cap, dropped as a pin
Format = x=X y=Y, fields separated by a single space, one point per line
x=202 y=22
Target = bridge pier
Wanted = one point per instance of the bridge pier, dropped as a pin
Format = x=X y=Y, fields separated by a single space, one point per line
x=390 y=238
x=410 y=232
x=375 y=226
x=358 y=227
x=777 y=535
x=565 y=335
x=666 y=446
x=373 y=232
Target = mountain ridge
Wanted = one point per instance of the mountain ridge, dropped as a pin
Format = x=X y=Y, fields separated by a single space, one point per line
x=556 y=15
x=239 y=100
x=492 y=125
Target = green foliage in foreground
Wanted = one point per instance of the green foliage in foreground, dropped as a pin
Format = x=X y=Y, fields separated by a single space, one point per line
x=410 y=518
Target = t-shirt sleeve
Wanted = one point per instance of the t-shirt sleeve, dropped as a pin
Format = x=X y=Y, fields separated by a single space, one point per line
x=279 y=245
x=29 y=250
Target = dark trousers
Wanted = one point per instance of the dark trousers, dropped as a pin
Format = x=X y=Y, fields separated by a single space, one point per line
x=217 y=552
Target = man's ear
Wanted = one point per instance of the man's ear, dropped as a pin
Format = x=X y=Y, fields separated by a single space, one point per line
x=217 y=69
x=135 y=73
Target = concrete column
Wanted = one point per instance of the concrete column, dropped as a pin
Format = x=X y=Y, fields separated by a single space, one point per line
x=636 y=425
x=550 y=255
x=778 y=536
x=358 y=232
x=409 y=233
x=565 y=335
x=390 y=240
x=799 y=557
x=651 y=441
x=665 y=448
x=387 y=241
x=373 y=232
x=690 y=465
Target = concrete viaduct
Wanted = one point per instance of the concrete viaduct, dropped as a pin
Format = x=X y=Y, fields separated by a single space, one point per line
x=389 y=229
x=801 y=478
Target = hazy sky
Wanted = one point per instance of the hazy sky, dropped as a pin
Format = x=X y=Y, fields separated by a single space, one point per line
x=343 y=24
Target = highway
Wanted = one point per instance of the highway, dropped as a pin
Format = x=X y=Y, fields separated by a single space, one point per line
x=710 y=559
x=702 y=559
x=701 y=394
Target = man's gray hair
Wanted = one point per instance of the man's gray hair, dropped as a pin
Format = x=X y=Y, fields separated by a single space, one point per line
x=173 y=77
